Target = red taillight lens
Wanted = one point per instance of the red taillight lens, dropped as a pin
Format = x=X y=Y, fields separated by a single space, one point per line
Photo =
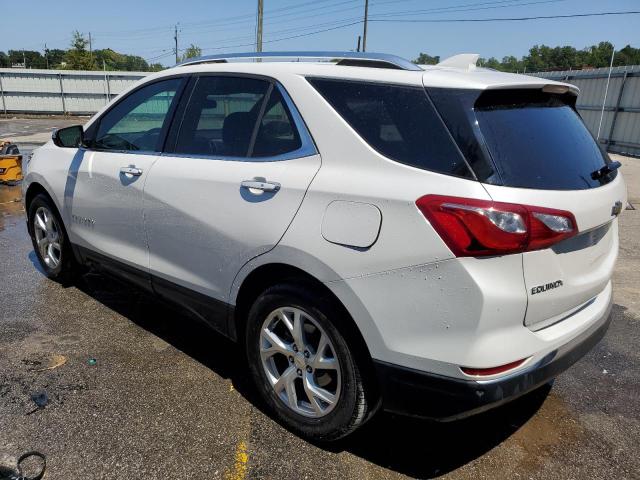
x=485 y=372
x=473 y=228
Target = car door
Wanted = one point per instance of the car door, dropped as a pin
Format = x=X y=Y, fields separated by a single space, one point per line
x=237 y=166
x=106 y=198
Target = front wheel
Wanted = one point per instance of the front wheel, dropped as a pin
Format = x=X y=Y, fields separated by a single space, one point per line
x=50 y=241
x=302 y=365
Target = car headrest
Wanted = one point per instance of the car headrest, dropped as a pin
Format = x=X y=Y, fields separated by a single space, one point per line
x=236 y=132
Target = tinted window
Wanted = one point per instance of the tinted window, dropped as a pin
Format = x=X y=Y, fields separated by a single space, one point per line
x=277 y=133
x=537 y=140
x=135 y=123
x=398 y=121
x=221 y=116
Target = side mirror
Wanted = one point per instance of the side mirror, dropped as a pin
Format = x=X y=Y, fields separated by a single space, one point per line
x=69 y=137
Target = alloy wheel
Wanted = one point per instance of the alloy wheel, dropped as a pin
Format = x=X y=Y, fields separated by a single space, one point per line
x=300 y=362
x=48 y=237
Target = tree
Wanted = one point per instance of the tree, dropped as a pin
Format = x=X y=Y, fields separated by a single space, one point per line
x=4 y=60
x=55 y=56
x=490 y=63
x=510 y=64
x=32 y=58
x=192 y=51
x=426 y=59
x=627 y=56
x=78 y=57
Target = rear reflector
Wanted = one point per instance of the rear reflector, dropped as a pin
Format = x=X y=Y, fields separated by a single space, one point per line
x=484 y=372
x=475 y=228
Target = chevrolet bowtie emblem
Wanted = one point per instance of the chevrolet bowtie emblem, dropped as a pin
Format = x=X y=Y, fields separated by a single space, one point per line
x=616 y=209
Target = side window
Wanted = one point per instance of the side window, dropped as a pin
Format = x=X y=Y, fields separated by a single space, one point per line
x=277 y=133
x=135 y=123
x=221 y=116
x=398 y=121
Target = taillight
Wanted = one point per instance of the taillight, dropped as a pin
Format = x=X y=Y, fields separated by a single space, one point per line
x=474 y=228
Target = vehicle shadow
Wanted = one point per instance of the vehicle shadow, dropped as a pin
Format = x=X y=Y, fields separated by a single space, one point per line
x=413 y=447
x=425 y=449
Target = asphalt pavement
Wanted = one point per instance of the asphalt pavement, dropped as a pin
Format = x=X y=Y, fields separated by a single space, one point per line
x=131 y=388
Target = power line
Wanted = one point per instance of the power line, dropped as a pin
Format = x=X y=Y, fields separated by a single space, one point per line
x=449 y=20
x=461 y=8
x=510 y=19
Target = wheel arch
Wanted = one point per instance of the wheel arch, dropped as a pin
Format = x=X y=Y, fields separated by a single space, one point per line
x=269 y=274
x=36 y=188
x=33 y=190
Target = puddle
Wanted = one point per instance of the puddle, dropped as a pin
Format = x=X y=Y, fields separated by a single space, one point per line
x=11 y=209
x=554 y=428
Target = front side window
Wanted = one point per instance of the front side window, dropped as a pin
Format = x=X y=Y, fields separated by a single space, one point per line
x=397 y=121
x=136 y=122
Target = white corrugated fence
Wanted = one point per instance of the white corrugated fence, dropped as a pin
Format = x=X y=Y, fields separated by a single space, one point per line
x=84 y=92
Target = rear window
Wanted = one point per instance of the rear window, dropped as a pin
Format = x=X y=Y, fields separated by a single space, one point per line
x=537 y=140
x=531 y=139
x=398 y=121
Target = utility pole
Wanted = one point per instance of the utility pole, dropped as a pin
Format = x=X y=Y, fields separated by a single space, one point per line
x=366 y=21
x=259 y=26
x=359 y=39
x=175 y=38
x=46 y=55
x=24 y=60
x=90 y=48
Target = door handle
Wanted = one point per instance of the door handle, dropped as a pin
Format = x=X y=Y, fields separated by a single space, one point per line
x=260 y=185
x=136 y=172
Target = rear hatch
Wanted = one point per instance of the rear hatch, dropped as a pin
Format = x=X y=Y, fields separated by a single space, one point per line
x=529 y=146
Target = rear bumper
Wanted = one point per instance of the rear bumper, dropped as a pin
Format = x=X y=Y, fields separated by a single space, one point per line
x=416 y=393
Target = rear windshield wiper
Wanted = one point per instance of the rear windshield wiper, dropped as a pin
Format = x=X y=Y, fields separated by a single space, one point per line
x=606 y=170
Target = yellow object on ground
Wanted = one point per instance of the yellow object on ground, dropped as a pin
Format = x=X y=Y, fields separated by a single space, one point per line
x=10 y=165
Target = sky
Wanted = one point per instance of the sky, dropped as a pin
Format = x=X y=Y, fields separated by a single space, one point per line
x=146 y=27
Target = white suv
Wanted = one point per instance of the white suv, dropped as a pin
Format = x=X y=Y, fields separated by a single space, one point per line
x=430 y=240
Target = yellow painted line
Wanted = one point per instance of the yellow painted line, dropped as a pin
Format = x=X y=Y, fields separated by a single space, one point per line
x=239 y=469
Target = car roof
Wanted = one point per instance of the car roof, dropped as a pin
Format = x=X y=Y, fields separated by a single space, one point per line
x=456 y=72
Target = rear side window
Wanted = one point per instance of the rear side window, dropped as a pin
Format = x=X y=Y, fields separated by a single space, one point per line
x=537 y=140
x=397 y=121
x=236 y=117
x=221 y=116
x=277 y=134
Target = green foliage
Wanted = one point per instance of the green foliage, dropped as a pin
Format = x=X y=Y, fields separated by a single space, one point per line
x=32 y=58
x=55 y=57
x=192 y=52
x=425 y=59
x=4 y=60
x=543 y=58
x=78 y=56
x=111 y=60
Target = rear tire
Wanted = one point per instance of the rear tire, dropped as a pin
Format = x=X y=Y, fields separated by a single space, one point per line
x=50 y=241
x=307 y=375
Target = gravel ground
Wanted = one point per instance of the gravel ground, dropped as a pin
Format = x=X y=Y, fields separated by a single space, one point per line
x=168 y=398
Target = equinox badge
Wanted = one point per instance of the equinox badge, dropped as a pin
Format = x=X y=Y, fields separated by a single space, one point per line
x=544 y=288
